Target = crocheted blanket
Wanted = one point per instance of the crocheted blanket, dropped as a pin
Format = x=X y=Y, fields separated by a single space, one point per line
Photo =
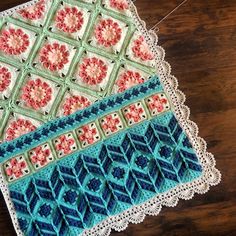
x=57 y=57
x=95 y=131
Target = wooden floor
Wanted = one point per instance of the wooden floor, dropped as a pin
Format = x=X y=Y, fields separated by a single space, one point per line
x=200 y=43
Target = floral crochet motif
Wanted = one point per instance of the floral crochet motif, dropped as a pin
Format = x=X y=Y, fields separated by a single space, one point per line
x=65 y=144
x=108 y=33
x=14 y=41
x=69 y=19
x=54 y=56
x=92 y=71
x=5 y=78
x=141 y=49
x=36 y=93
x=134 y=113
x=157 y=103
x=18 y=128
x=33 y=12
x=75 y=103
x=16 y=168
x=120 y=5
x=111 y=123
x=88 y=134
x=39 y=156
x=128 y=79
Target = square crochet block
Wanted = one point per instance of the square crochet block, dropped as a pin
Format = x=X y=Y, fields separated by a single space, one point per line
x=57 y=57
x=96 y=134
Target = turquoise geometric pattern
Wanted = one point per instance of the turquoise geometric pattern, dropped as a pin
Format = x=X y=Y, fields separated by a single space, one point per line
x=76 y=191
x=80 y=193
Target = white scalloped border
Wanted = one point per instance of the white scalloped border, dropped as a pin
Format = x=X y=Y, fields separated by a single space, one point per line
x=210 y=177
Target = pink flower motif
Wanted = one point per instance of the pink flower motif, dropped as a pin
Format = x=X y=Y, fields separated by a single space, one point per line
x=16 y=168
x=88 y=134
x=5 y=78
x=34 y=12
x=14 y=41
x=75 y=103
x=54 y=56
x=40 y=156
x=134 y=113
x=92 y=70
x=157 y=103
x=110 y=123
x=128 y=79
x=36 y=93
x=108 y=33
x=65 y=144
x=141 y=49
x=69 y=19
x=120 y=5
x=18 y=128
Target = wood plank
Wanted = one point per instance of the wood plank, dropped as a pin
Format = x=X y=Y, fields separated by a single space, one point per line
x=152 y=15
x=191 y=221
x=210 y=88
x=6 y=226
x=199 y=35
x=5 y=5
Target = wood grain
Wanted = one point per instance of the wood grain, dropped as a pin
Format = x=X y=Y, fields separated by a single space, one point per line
x=200 y=43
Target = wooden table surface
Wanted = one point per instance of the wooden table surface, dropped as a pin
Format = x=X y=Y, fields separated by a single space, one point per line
x=200 y=43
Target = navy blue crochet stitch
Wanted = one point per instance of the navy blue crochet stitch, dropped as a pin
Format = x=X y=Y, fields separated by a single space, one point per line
x=127 y=168
x=57 y=126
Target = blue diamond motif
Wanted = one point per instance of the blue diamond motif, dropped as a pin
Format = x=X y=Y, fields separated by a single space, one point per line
x=165 y=151
x=94 y=184
x=141 y=161
x=45 y=210
x=118 y=173
x=70 y=196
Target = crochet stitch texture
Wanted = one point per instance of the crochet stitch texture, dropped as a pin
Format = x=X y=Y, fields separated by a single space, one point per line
x=57 y=57
x=124 y=145
x=88 y=179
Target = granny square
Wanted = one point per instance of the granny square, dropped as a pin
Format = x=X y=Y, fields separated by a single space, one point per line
x=94 y=130
x=57 y=57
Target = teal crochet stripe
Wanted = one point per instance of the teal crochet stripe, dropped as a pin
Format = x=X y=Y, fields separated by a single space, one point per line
x=56 y=127
x=84 y=188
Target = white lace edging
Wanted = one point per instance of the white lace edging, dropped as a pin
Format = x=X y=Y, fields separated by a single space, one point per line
x=210 y=177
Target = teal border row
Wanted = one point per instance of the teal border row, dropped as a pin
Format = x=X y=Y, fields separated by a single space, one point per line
x=53 y=128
